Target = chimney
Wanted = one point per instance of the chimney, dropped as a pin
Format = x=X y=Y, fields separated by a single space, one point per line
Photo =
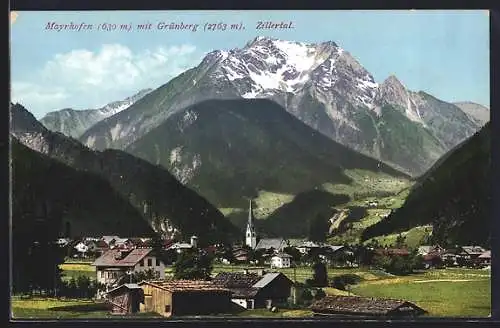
x=194 y=241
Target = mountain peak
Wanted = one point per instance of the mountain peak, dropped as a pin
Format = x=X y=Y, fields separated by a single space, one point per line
x=260 y=40
x=392 y=80
x=393 y=90
x=23 y=120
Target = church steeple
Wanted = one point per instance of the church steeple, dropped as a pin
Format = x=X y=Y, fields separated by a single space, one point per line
x=251 y=238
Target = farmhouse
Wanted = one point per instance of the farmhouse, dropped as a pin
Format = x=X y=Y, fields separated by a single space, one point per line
x=306 y=246
x=427 y=249
x=275 y=244
x=81 y=249
x=347 y=306
x=116 y=263
x=125 y=299
x=251 y=290
x=184 y=297
x=180 y=247
x=471 y=252
x=485 y=258
x=281 y=260
x=240 y=254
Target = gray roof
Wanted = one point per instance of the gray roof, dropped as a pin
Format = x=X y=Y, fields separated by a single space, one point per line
x=128 y=286
x=266 y=279
x=485 y=255
x=473 y=249
x=283 y=255
x=268 y=243
x=335 y=247
x=309 y=244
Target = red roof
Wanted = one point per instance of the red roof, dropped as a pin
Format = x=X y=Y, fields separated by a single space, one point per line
x=112 y=258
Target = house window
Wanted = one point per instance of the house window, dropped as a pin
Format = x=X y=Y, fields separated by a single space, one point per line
x=167 y=308
x=150 y=262
x=157 y=262
x=142 y=263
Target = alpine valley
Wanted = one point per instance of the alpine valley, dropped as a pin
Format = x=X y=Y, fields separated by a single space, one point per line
x=302 y=130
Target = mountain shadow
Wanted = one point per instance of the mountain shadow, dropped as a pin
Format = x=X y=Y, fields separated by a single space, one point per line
x=454 y=196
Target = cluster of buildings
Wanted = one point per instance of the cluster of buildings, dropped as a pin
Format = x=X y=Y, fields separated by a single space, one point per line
x=91 y=247
x=225 y=293
x=251 y=288
x=233 y=292
x=470 y=256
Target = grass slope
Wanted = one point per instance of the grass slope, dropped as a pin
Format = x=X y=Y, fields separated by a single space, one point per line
x=454 y=197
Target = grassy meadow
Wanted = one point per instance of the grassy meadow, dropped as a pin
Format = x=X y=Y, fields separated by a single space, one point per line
x=443 y=293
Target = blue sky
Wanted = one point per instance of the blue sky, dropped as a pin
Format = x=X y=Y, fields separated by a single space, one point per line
x=445 y=53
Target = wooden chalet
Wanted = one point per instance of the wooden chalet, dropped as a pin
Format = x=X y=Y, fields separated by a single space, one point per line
x=115 y=264
x=485 y=258
x=251 y=290
x=125 y=299
x=184 y=297
x=349 y=306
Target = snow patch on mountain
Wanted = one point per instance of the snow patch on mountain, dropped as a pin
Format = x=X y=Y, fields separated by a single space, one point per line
x=116 y=131
x=184 y=171
x=175 y=155
x=91 y=141
x=188 y=118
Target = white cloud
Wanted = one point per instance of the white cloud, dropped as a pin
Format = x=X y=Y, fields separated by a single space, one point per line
x=45 y=96
x=85 y=79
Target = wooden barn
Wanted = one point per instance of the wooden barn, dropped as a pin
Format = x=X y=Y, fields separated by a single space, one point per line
x=125 y=299
x=348 y=306
x=184 y=297
x=251 y=290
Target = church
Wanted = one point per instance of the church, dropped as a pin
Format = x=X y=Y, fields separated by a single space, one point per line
x=276 y=244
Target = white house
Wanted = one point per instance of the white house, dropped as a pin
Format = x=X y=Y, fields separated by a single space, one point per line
x=179 y=247
x=281 y=260
x=81 y=248
x=63 y=242
x=115 y=263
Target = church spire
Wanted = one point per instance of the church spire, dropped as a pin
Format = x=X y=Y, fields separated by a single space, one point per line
x=251 y=238
x=250 y=214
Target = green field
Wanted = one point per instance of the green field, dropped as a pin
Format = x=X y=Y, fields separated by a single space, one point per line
x=449 y=292
x=413 y=237
x=446 y=292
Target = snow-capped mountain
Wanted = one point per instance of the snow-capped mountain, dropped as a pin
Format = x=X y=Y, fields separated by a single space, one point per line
x=321 y=84
x=73 y=122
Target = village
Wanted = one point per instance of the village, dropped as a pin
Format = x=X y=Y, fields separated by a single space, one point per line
x=260 y=277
